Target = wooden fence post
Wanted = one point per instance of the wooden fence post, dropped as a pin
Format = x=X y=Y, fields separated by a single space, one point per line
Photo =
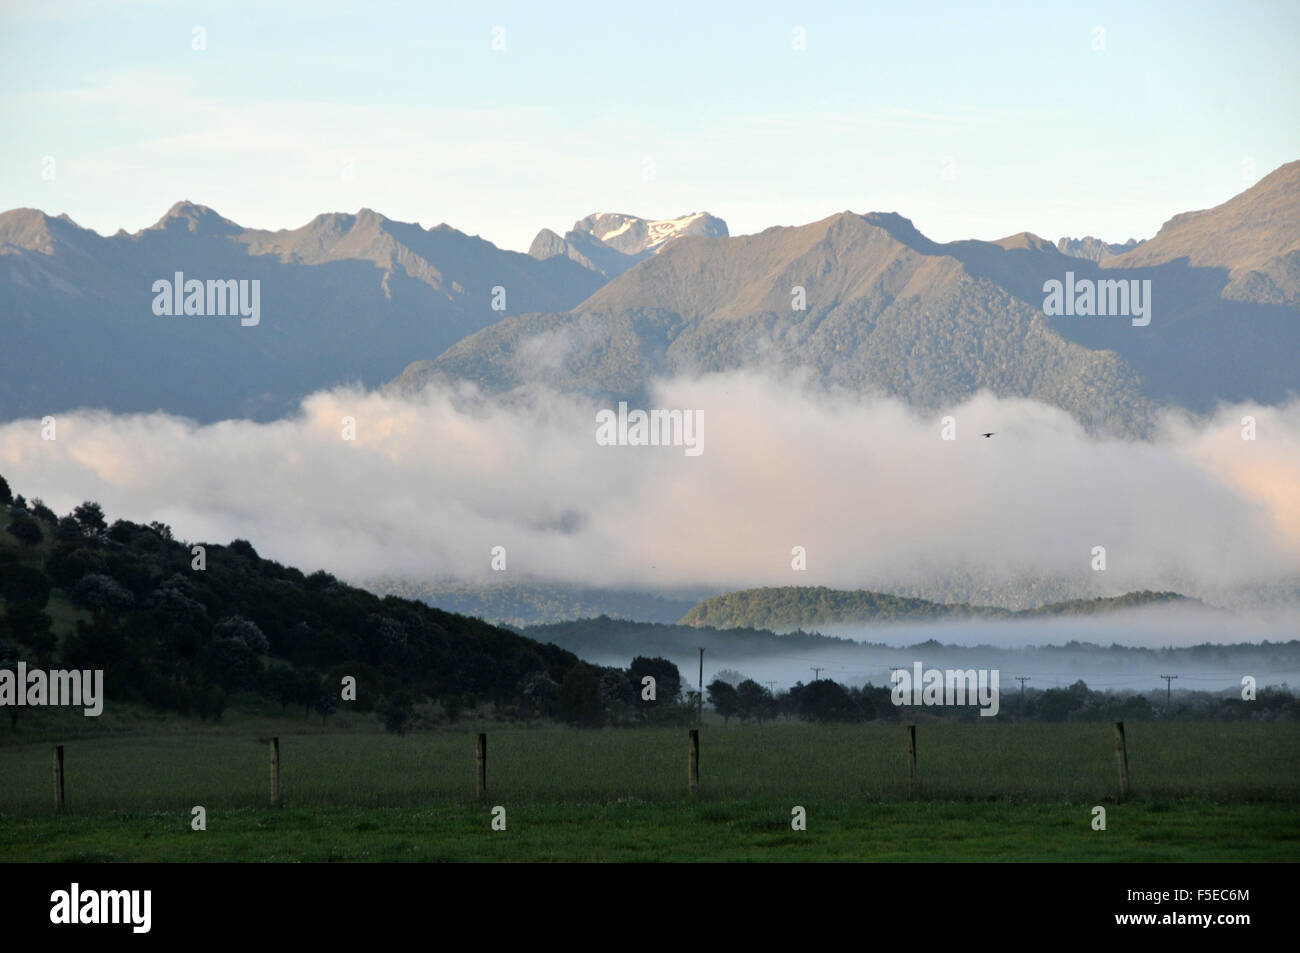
x=911 y=760
x=480 y=760
x=693 y=763
x=1121 y=755
x=275 y=771
x=58 y=779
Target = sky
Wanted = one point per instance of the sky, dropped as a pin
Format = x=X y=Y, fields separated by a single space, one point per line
x=973 y=120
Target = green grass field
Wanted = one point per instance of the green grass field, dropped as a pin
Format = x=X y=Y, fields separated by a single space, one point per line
x=629 y=830
x=1201 y=791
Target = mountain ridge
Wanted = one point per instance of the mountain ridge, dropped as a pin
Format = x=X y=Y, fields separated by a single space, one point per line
x=345 y=298
x=864 y=301
x=868 y=303
x=1254 y=236
x=779 y=608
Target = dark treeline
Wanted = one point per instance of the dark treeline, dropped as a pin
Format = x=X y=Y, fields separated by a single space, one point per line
x=825 y=700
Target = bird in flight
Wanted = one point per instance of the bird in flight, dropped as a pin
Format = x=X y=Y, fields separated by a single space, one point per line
x=987 y=435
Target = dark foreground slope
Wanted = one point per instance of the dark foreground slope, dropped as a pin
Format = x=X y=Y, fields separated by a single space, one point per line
x=189 y=628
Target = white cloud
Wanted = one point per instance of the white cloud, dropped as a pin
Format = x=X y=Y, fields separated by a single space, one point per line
x=872 y=492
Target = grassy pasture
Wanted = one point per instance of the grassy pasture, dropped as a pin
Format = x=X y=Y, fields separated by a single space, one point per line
x=1236 y=761
x=1201 y=791
x=734 y=830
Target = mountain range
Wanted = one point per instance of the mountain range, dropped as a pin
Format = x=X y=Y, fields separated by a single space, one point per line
x=869 y=303
x=863 y=301
x=343 y=299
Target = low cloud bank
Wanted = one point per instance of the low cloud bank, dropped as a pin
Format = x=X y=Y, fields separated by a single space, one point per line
x=871 y=491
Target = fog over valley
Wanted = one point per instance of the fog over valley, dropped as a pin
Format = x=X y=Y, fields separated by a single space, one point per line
x=1122 y=651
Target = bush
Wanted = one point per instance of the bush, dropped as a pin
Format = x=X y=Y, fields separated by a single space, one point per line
x=231 y=664
x=397 y=713
x=67 y=566
x=245 y=630
x=101 y=593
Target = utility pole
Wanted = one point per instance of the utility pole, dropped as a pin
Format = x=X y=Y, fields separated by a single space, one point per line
x=817 y=672
x=1022 y=679
x=1168 y=688
x=771 y=687
x=700 y=700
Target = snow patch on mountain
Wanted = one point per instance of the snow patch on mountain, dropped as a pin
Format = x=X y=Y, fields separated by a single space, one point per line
x=612 y=242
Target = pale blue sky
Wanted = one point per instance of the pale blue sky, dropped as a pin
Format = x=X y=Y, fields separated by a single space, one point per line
x=973 y=120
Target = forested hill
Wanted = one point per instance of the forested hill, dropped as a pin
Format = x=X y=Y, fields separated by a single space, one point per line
x=603 y=637
x=188 y=635
x=793 y=607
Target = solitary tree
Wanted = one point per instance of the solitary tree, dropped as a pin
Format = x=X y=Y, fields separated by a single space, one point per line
x=755 y=700
x=90 y=517
x=724 y=699
x=668 y=679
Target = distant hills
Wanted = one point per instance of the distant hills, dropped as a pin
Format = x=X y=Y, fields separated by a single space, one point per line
x=786 y=608
x=763 y=654
x=869 y=303
x=523 y=604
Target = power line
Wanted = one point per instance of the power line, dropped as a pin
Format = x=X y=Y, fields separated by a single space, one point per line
x=1022 y=679
x=1168 y=687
